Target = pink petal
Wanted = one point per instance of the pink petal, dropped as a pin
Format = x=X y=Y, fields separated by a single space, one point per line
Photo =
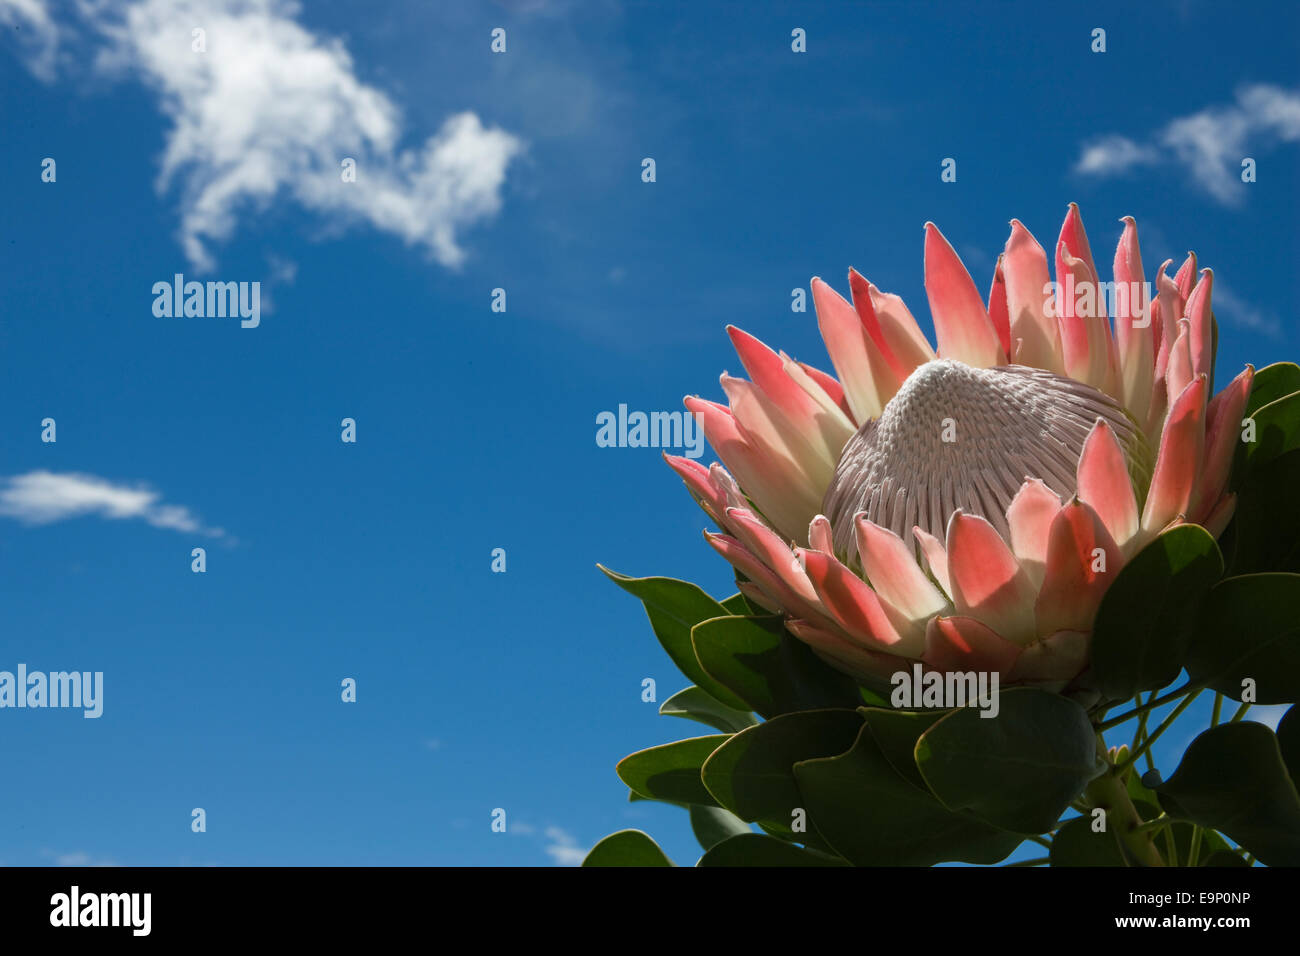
x=767 y=546
x=819 y=535
x=935 y=556
x=868 y=380
x=1179 y=373
x=1173 y=483
x=964 y=644
x=1217 y=520
x=999 y=313
x=1185 y=278
x=1104 y=483
x=1222 y=433
x=696 y=477
x=904 y=336
x=862 y=304
x=853 y=604
x=960 y=319
x=1077 y=575
x=1085 y=330
x=1075 y=239
x=844 y=654
x=784 y=495
x=891 y=567
x=987 y=581
x=825 y=429
x=768 y=428
x=749 y=564
x=1034 y=332
x=1135 y=340
x=1202 y=327
x=1054 y=661
x=831 y=386
x=1029 y=517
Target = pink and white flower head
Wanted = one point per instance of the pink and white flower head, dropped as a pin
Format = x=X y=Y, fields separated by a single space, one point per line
x=967 y=507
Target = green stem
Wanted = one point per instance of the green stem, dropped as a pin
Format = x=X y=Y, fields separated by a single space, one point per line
x=1036 y=861
x=1241 y=712
x=1196 y=686
x=1218 y=709
x=1155 y=735
x=1194 y=853
x=1110 y=793
x=1041 y=842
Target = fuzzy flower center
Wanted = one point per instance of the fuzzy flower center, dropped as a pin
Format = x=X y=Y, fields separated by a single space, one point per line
x=961 y=437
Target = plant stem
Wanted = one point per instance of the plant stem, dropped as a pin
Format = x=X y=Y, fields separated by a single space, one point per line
x=1155 y=735
x=1241 y=712
x=1041 y=842
x=1196 y=686
x=1194 y=853
x=1218 y=709
x=1110 y=793
x=1037 y=861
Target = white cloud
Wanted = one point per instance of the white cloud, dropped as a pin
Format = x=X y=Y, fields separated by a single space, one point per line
x=1114 y=154
x=31 y=21
x=1210 y=144
x=77 y=858
x=43 y=497
x=270 y=110
x=563 y=847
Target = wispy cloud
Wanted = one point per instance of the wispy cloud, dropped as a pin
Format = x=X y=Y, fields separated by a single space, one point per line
x=30 y=21
x=1209 y=145
x=268 y=110
x=43 y=497
x=563 y=847
x=77 y=858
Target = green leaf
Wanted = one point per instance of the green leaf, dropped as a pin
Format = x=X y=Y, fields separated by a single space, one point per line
x=896 y=733
x=1075 y=844
x=1250 y=629
x=1265 y=531
x=627 y=848
x=1147 y=615
x=1019 y=770
x=699 y=705
x=674 y=607
x=1288 y=742
x=765 y=666
x=871 y=816
x=712 y=825
x=1277 y=430
x=757 y=849
x=671 y=771
x=634 y=797
x=740 y=605
x=752 y=774
x=1271 y=383
x=1232 y=779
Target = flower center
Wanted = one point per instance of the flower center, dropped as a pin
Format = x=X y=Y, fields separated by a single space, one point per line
x=961 y=437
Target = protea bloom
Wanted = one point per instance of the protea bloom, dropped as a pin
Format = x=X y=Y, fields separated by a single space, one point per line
x=968 y=507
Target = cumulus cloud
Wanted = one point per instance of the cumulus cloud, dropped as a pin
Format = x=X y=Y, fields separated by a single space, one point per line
x=268 y=110
x=1209 y=145
x=43 y=497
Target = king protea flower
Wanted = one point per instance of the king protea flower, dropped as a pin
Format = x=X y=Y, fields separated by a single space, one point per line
x=967 y=507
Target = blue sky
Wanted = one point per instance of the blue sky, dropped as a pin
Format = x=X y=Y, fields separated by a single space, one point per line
x=476 y=428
